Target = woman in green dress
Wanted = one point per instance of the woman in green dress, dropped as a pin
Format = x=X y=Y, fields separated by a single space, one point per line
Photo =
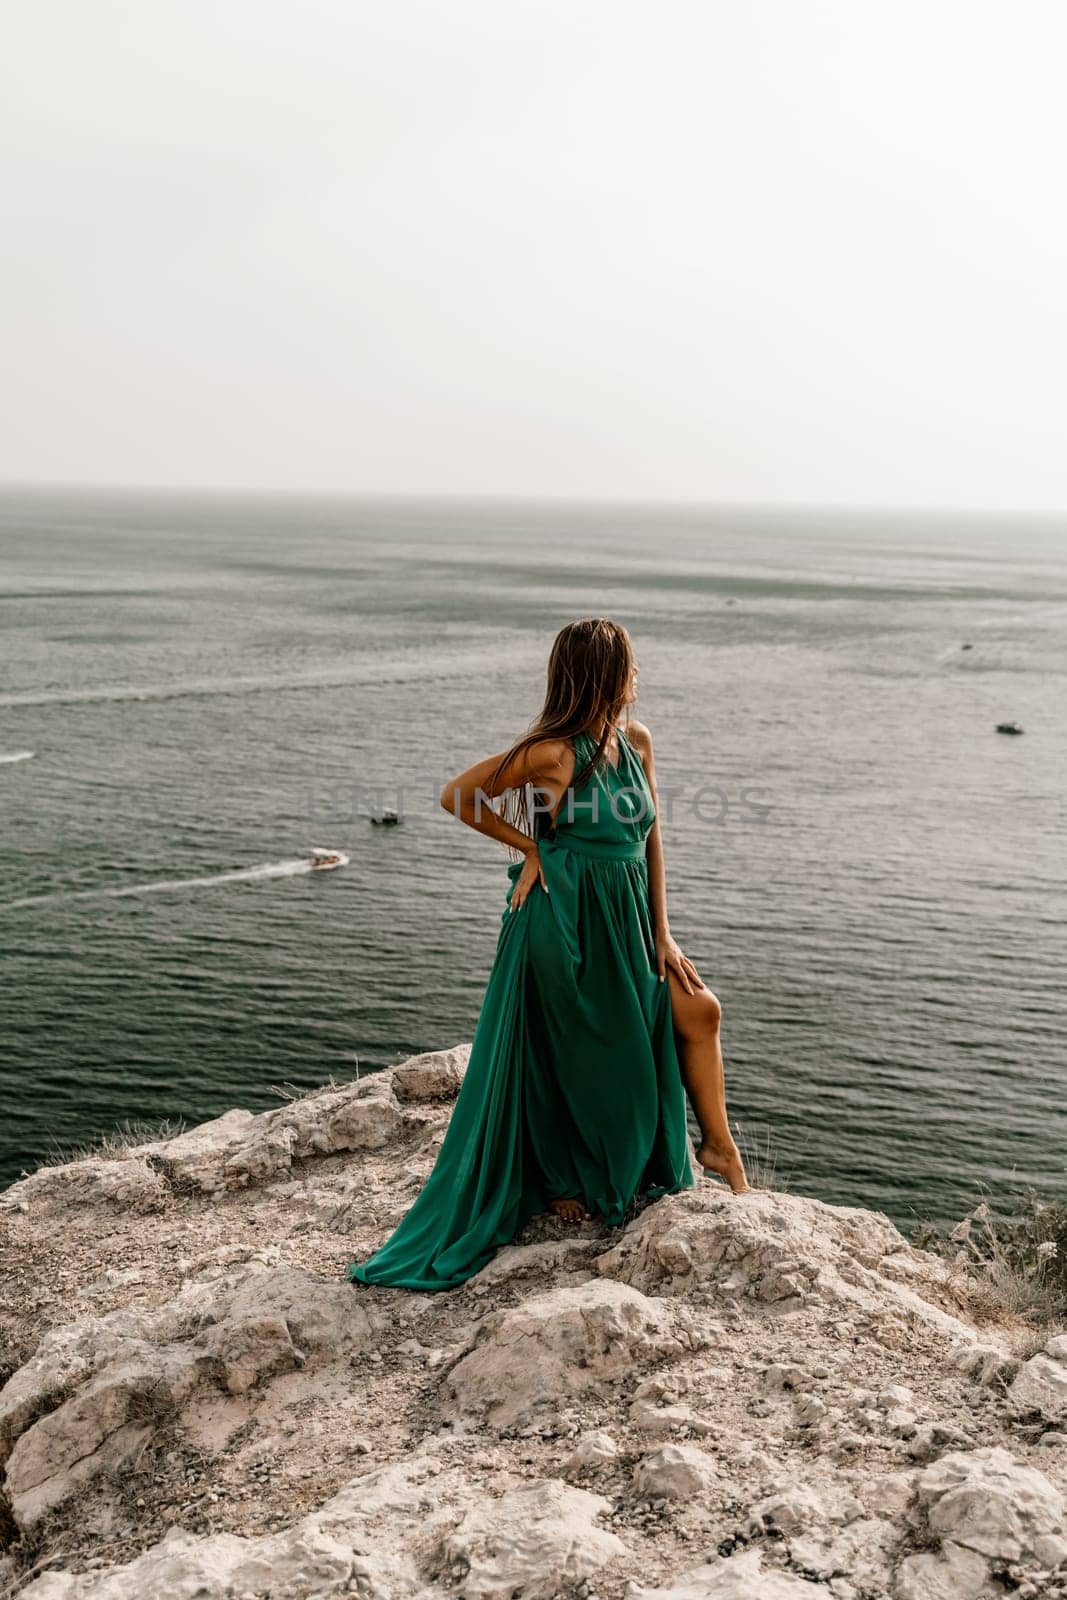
x=593 y=1019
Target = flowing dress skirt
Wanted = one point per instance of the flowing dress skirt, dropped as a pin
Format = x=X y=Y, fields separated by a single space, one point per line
x=573 y=1086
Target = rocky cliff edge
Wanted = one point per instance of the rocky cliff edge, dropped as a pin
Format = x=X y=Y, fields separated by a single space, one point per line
x=730 y=1398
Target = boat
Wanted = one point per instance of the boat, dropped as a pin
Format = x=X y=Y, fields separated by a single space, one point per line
x=322 y=860
x=388 y=819
x=1008 y=727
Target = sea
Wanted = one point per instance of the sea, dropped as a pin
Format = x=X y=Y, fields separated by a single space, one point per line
x=196 y=690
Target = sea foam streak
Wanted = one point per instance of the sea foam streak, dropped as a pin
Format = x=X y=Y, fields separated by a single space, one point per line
x=15 y=755
x=269 y=869
x=381 y=669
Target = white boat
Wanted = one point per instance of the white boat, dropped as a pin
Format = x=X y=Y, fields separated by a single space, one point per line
x=322 y=860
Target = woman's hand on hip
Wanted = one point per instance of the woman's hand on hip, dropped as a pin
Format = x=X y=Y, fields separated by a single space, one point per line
x=532 y=872
x=669 y=958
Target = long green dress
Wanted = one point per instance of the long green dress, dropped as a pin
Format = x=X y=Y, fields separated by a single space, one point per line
x=573 y=1086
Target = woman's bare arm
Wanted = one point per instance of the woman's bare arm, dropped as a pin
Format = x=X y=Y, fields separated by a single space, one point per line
x=548 y=765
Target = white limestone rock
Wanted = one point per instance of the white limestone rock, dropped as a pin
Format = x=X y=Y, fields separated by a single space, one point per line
x=810 y=1410
x=531 y=1543
x=786 y=1376
x=393 y=1516
x=126 y=1380
x=291 y=1566
x=548 y=1258
x=266 y=1153
x=932 y=1439
x=65 y=1358
x=364 y=1115
x=323 y=1555
x=436 y=1075
x=239 y=1353
x=239 y=1149
x=886 y=1495
x=789 y=1511
x=741 y=1577
x=593 y=1453
x=1041 y=1384
x=987 y=1365
x=320 y=1315
x=97 y=1432
x=70 y=1354
x=951 y=1573
x=129 y=1183
x=530 y=1357
x=666 y=1419
x=181 y=1567
x=763 y=1246
x=195 y=1159
x=675 y=1472
x=827 y=1531
x=987 y=1501
x=864 y=1549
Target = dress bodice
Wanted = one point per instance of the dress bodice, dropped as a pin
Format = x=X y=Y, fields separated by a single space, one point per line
x=611 y=808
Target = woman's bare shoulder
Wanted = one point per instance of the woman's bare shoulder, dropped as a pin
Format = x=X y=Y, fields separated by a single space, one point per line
x=640 y=737
x=550 y=755
x=532 y=761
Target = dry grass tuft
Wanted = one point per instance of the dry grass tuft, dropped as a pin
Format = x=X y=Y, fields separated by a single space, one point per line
x=115 y=1145
x=760 y=1158
x=1013 y=1260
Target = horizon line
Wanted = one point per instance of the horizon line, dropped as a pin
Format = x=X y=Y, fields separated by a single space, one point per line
x=488 y=498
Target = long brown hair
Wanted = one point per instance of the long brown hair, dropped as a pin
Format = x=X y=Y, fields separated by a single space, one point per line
x=589 y=671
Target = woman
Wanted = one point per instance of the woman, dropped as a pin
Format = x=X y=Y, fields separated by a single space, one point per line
x=593 y=1018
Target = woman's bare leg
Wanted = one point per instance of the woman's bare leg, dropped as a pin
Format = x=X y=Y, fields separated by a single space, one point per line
x=696 y=1030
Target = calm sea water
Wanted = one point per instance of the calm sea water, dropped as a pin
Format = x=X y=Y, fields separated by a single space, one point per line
x=194 y=691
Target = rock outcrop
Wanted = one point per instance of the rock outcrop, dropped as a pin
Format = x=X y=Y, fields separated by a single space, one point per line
x=730 y=1398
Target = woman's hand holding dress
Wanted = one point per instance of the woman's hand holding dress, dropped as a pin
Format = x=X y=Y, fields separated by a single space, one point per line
x=670 y=957
x=532 y=872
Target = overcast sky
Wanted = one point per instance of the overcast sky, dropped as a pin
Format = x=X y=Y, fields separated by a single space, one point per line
x=774 y=250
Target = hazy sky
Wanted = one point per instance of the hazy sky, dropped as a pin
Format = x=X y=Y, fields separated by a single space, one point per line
x=696 y=249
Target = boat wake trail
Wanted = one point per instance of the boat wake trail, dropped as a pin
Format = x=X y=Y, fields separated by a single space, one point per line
x=269 y=869
x=6 y=757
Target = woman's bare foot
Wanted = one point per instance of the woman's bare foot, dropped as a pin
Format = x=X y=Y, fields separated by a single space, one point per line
x=727 y=1164
x=569 y=1210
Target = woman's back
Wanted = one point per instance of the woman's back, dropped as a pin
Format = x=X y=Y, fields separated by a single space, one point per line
x=611 y=806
